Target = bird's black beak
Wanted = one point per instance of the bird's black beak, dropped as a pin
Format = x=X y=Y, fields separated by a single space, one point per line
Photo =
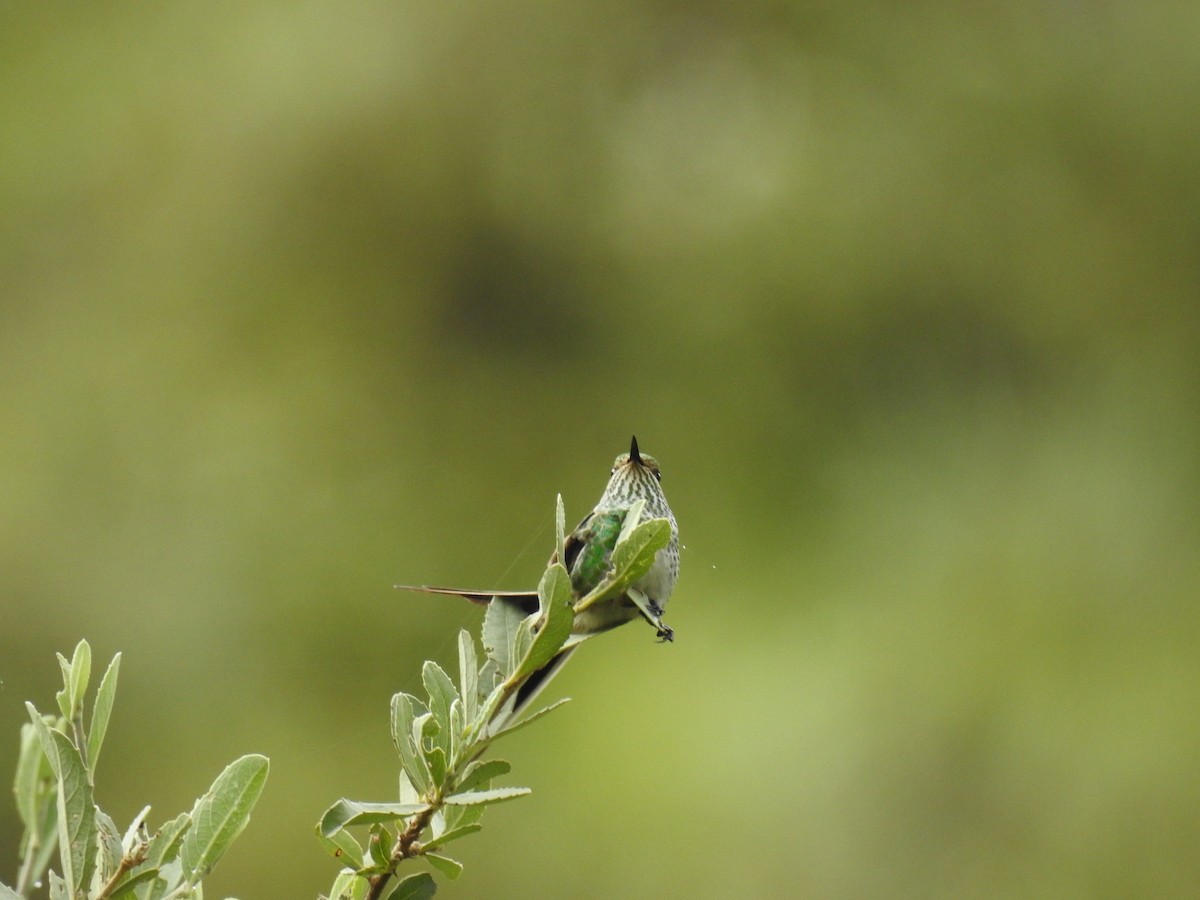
x=634 y=456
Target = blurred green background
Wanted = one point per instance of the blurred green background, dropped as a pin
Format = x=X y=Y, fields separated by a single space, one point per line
x=301 y=300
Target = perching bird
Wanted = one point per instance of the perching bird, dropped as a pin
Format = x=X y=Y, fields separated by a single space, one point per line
x=589 y=548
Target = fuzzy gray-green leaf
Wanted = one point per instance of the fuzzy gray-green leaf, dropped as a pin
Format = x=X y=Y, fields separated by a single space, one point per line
x=468 y=675
x=342 y=846
x=76 y=815
x=220 y=815
x=495 y=795
x=557 y=618
x=351 y=812
x=105 y=695
x=454 y=834
x=478 y=773
x=500 y=624
x=442 y=693
x=404 y=717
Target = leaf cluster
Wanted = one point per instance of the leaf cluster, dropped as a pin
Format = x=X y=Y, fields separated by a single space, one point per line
x=54 y=790
x=444 y=784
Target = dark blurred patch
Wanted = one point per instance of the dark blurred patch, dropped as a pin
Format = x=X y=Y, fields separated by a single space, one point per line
x=511 y=296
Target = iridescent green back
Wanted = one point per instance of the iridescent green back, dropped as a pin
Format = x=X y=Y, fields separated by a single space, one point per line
x=598 y=538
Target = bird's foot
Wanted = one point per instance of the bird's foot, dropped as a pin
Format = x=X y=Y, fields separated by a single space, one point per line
x=666 y=634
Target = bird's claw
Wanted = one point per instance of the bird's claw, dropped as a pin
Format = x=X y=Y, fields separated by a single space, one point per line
x=666 y=634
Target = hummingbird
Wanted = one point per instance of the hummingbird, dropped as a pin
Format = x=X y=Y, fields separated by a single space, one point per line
x=588 y=550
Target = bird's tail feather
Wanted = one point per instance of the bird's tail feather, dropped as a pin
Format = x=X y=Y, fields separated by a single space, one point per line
x=527 y=600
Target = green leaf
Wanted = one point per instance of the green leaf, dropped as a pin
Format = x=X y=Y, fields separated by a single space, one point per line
x=351 y=812
x=500 y=625
x=478 y=773
x=496 y=795
x=220 y=815
x=133 y=882
x=165 y=845
x=34 y=780
x=76 y=815
x=7 y=893
x=631 y=559
x=105 y=695
x=489 y=680
x=557 y=618
x=560 y=530
x=58 y=888
x=454 y=834
x=404 y=720
x=468 y=674
x=420 y=886
x=35 y=788
x=633 y=516
x=636 y=553
x=451 y=868
x=63 y=697
x=457 y=726
x=533 y=717
x=442 y=693
x=379 y=846
x=81 y=673
x=435 y=758
x=522 y=641
x=110 y=845
x=349 y=886
x=343 y=846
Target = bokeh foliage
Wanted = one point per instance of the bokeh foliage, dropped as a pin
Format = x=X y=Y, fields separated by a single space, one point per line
x=302 y=301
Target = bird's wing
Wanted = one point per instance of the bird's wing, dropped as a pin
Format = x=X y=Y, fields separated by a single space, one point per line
x=576 y=541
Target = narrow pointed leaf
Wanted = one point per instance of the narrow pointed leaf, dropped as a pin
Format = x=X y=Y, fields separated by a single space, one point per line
x=519 y=649
x=560 y=529
x=404 y=719
x=105 y=695
x=7 y=893
x=32 y=780
x=495 y=795
x=454 y=834
x=451 y=868
x=133 y=834
x=468 y=674
x=351 y=812
x=129 y=885
x=81 y=673
x=49 y=747
x=442 y=693
x=481 y=773
x=633 y=516
x=220 y=815
x=415 y=887
x=557 y=618
x=532 y=717
x=63 y=697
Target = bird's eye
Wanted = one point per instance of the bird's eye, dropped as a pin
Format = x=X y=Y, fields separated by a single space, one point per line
x=658 y=474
